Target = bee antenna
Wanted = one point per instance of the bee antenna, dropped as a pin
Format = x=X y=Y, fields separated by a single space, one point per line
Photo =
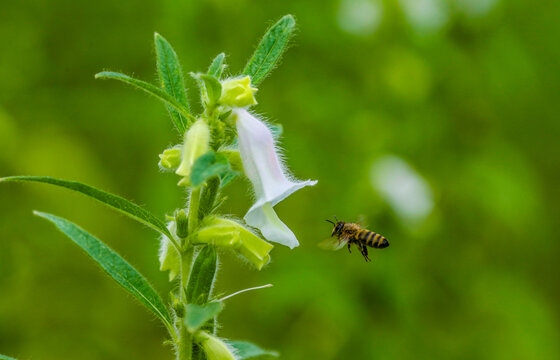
x=330 y=222
x=335 y=218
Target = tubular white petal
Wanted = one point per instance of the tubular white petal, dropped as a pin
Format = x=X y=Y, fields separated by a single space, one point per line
x=264 y=218
x=271 y=185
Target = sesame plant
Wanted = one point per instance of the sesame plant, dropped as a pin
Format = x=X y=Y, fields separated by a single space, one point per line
x=219 y=145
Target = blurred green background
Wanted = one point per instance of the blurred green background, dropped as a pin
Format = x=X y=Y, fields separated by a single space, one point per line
x=436 y=121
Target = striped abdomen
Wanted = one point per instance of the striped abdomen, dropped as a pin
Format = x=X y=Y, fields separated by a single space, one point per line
x=372 y=239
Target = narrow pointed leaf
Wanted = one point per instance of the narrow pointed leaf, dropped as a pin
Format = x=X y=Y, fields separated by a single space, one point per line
x=115 y=266
x=4 y=357
x=171 y=77
x=198 y=315
x=152 y=90
x=270 y=49
x=217 y=67
x=247 y=350
x=116 y=202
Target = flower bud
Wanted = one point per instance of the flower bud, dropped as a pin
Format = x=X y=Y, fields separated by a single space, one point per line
x=170 y=159
x=182 y=223
x=230 y=234
x=197 y=140
x=238 y=92
x=214 y=348
x=177 y=306
x=169 y=258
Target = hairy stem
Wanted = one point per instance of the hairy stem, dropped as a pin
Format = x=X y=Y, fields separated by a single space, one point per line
x=184 y=341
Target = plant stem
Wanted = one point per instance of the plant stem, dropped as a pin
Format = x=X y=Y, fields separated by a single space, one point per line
x=184 y=341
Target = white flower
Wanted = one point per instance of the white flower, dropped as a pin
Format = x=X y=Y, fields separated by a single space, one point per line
x=271 y=184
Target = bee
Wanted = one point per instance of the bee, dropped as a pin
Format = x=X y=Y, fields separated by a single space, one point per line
x=351 y=233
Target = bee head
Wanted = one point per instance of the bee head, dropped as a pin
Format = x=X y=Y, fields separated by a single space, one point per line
x=338 y=225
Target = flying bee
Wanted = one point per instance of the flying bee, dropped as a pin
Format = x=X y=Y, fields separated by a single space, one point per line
x=350 y=233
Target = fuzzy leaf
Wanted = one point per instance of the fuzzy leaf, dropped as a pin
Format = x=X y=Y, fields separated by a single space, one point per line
x=198 y=315
x=116 y=202
x=217 y=67
x=247 y=350
x=207 y=166
x=171 y=77
x=115 y=266
x=152 y=90
x=270 y=49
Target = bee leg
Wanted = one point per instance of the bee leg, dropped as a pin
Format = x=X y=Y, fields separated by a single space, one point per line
x=349 y=250
x=364 y=251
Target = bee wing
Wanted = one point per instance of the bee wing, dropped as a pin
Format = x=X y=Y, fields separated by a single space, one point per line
x=332 y=244
x=362 y=221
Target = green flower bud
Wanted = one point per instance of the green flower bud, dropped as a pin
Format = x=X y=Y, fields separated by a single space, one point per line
x=182 y=223
x=177 y=305
x=238 y=92
x=169 y=258
x=170 y=159
x=197 y=140
x=230 y=234
x=214 y=348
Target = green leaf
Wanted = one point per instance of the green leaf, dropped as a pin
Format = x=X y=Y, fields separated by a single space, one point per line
x=207 y=166
x=4 y=357
x=171 y=77
x=202 y=276
x=270 y=49
x=198 y=315
x=247 y=350
x=152 y=90
x=115 y=266
x=116 y=202
x=217 y=67
x=211 y=87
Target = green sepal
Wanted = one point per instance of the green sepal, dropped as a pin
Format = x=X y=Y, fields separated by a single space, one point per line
x=171 y=77
x=209 y=165
x=208 y=198
x=211 y=88
x=202 y=276
x=246 y=350
x=270 y=49
x=115 y=266
x=217 y=67
x=154 y=91
x=181 y=223
x=177 y=305
x=198 y=315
